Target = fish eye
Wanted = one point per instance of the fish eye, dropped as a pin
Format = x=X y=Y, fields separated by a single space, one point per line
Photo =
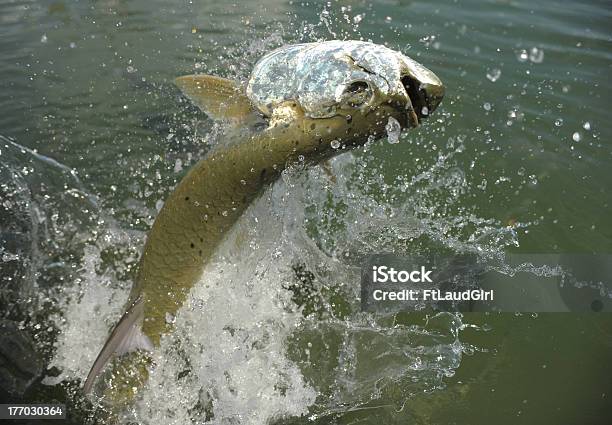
x=357 y=93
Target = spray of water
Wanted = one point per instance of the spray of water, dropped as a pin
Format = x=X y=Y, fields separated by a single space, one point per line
x=273 y=328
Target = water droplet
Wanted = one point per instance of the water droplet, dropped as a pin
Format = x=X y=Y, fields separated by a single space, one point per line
x=335 y=144
x=494 y=74
x=388 y=19
x=224 y=213
x=587 y=126
x=178 y=165
x=486 y=106
x=394 y=130
x=536 y=55
x=44 y=38
x=558 y=122
x=576 y=136
x=424 y=111
x=522 y=55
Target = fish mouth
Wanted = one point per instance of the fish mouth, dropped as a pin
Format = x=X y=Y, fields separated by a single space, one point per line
x=423 y=97
x=413 y=117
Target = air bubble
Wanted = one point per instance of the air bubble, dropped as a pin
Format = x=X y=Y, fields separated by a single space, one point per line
x=576 y=136
x=335 y=144
x=486 y=106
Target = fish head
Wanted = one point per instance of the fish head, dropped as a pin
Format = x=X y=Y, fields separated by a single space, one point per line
x=349 y=88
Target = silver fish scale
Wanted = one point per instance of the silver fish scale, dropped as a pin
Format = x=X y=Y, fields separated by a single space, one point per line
x=316 y=74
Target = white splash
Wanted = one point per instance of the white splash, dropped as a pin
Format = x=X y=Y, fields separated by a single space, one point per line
x=231 y=332
x=230 y=352
x=90 y=307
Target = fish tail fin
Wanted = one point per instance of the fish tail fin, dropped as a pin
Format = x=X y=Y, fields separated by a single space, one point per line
x=127 y=336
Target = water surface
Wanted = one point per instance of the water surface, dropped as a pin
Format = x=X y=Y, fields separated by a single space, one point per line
x=515 y=160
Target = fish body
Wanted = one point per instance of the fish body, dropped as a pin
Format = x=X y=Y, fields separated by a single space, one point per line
x=316 y=100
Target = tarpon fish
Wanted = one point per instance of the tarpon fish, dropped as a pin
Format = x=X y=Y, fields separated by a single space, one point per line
x=311 y=102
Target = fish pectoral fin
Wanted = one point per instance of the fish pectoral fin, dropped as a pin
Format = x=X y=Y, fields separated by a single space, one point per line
x=127 y=336
x=219 y=98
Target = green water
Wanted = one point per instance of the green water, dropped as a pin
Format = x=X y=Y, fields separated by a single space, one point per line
x=89 y=84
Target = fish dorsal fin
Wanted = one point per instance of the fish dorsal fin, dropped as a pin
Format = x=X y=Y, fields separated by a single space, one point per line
x=219 y=98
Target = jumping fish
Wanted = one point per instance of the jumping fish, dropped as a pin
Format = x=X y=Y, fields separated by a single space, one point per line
x=312 y=101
